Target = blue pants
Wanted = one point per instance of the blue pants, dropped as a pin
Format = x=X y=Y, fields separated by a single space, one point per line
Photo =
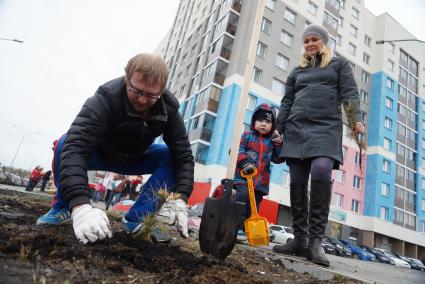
x=156 y=162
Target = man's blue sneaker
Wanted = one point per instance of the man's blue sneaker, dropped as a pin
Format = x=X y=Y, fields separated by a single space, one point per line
x=55 y=217
x=241 y=236
x=130 y=227
x=156 y=235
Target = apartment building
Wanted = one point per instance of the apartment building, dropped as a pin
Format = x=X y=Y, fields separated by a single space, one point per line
x=378 y=202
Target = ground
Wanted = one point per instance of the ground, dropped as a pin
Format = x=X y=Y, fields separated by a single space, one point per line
x=30 y=254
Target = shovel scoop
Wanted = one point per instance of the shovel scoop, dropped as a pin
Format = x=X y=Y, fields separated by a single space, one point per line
x=256 y=227
x=219 y=223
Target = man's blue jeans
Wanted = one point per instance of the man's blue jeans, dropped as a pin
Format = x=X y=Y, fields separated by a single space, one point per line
x=156 y=162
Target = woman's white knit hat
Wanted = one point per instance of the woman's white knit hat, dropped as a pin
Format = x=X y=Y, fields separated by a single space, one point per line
x=316 y=30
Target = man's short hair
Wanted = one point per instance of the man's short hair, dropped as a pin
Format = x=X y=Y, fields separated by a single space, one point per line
x=151 y=66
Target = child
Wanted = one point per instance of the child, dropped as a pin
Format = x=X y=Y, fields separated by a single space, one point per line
x=258 y=147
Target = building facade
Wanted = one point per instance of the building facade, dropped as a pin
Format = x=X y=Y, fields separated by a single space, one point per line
x=378 y=196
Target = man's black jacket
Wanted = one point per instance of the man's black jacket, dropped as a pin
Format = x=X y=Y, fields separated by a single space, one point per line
x=108 y=124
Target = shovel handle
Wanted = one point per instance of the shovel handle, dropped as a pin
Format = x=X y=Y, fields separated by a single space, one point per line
x=252 y=202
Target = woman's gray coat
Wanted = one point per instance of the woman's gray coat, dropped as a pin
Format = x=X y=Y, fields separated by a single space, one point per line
x=310 y=116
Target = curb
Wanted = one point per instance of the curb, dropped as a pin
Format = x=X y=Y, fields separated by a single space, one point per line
x=301 y=266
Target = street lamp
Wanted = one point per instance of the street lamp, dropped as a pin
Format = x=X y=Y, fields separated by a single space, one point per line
x=20 y=143
x=398 y=40
x=12 y=39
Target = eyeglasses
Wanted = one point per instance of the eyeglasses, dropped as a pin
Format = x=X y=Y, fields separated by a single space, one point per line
x=138 y=92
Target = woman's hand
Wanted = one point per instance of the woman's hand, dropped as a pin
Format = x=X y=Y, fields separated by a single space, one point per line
x=277 y=138
x=359 y=127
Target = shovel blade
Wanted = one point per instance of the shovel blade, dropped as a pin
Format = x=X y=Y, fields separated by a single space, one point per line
x=219 y=225
x=257 y=231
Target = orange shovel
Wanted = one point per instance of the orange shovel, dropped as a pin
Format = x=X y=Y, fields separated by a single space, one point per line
x=256 y=227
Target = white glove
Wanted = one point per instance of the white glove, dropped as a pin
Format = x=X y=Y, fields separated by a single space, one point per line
x=179 y=212
x=90 y=224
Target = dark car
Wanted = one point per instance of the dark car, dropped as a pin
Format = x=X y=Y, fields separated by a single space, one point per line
x=340 y=248
x=414 y=263
x=379 y=255
x=328 y=247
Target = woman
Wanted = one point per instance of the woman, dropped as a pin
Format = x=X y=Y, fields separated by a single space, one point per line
x=310 y=120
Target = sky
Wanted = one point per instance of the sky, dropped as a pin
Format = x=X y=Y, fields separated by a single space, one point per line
x=73 y=46
x=70 y=48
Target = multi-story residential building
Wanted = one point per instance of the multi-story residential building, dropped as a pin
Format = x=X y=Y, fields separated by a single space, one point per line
x=378 y=196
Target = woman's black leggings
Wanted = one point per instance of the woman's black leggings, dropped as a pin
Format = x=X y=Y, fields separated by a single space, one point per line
x=319 y=168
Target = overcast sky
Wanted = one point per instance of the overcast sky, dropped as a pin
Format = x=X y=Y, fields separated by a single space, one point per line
x=71 y=47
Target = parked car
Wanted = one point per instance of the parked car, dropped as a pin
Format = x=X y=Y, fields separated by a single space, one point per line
x=397 y=261
x=358 y=252
x=379 y=255
x=196 y=210
x=414 y=263
x=282 y=234
x=328 y=247
x=340 y=248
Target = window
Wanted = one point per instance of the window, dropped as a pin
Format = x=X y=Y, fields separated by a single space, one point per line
x=353 y=30
x=261 y=49
x=252 y=102
x=385 y=189
x=367 y=40
x=256 y=75
x=383 y=213
x=338 y=39
x=355 y=205
x=386 y=166
x=334 y=3
x=266 y=26
x=390 y=65
x=357 y=159
x=352 y=48
x=331 y=43
x=282 y=62
x=355 y=13
x=338 y=200
x=388 y=102
x=341 y=21
x=387 y=144
x=390 y=84
x=388 y=123
x=365 y=77
x=186 y=73
x=271 y=4
x=312 y=8
x=366 y=58
x=278 y=87
x=286 y=38
x=392 y=47
x=331 y=21
x=290 y=16
x=363 y=96
x=344 y=153
x=423 y=144
x=340 y=176
x=423 y=204
x=356 y=182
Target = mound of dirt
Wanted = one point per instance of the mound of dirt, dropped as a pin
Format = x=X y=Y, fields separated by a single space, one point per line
x=52 y=254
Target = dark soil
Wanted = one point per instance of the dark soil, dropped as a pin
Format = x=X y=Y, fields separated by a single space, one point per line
x=52 y=254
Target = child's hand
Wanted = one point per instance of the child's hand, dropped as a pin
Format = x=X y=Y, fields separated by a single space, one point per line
x=248 y=169
x=277 y=138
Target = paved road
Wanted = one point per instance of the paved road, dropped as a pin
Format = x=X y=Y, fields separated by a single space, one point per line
x=366 y=271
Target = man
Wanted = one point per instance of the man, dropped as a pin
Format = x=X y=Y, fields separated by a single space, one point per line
x=115 y=131
x=35 y=177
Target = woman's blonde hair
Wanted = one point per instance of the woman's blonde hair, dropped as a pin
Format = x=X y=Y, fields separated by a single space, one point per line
x=151 y=66
x=325 y=55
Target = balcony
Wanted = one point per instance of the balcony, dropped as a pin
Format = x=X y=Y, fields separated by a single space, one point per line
x=227 y=24
x=222 y=47
x=202 y=133
x=200 y=152
x=215 y=72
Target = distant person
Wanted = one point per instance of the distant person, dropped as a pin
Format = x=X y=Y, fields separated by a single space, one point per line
x=35 y=177
x=115 y=131
x=45 y=179
x=258 y=148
